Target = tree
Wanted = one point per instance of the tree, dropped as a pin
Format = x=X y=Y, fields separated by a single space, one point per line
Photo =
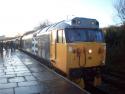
x=119 y=5
x=42 y=25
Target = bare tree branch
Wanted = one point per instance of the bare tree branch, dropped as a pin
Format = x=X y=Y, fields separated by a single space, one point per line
x=119 y=5
x=42 y=25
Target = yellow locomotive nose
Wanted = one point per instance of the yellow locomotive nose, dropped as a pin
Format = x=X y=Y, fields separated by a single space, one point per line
x=86 y=59
x=86 y=55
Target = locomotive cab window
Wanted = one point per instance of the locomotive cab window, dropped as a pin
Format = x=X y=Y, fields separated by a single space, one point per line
x=84 y=35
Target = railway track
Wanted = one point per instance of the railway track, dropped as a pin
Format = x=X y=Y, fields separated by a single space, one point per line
x=105 y=88
x=117 y=74
x=95 y=90
x=112 y=83
x=114 y=78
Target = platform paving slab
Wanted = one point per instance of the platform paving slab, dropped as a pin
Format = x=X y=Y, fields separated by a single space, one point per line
x=16 y=79
x=28 y=83
x=7 y=76
x=3 y=80
x=8 y=85
x=24 y=74
x=1 y=70
x=1 y=74
x=7 y=91
x=30 y=78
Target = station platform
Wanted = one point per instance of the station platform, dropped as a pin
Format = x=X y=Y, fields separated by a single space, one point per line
x=21 y=74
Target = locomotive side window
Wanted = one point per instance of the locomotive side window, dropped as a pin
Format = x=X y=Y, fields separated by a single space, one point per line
x=63 y=36
x=53 y=37
x=60 y=36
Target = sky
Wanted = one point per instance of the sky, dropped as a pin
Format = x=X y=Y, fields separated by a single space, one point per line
x=19 y=16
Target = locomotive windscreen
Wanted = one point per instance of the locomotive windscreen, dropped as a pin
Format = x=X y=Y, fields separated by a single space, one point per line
x=83 y=35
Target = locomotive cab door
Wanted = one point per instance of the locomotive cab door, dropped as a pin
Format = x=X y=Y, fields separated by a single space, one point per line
x=58 y=50
x=53 y=38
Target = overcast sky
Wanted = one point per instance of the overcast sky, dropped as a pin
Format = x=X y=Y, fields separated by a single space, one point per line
x=18 y=16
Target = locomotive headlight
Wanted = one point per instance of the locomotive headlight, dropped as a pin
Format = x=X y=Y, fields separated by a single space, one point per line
x=90 y=51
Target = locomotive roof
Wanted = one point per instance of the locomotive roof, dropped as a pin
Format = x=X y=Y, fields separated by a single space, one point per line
x=77 y=22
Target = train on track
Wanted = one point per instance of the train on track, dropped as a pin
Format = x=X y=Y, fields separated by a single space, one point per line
x=75 y=47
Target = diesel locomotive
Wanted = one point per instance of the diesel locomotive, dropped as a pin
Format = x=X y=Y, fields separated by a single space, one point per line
x=75 y=47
